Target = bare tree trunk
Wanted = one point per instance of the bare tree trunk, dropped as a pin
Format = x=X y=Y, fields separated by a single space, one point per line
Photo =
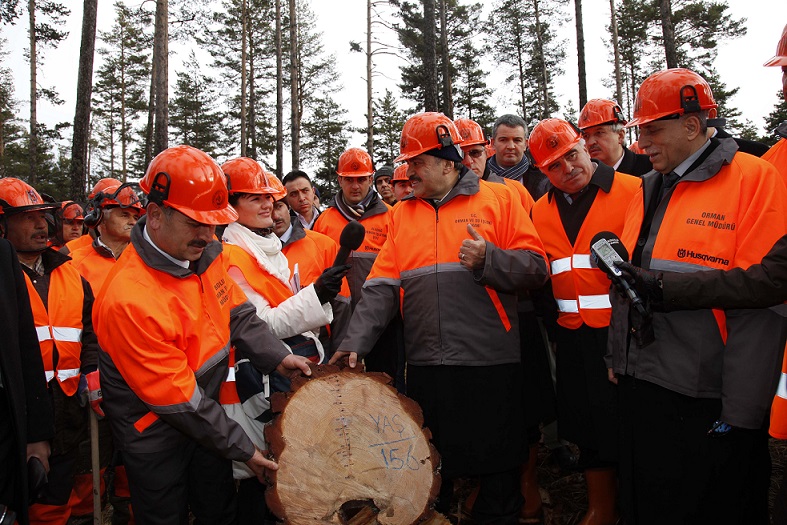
x=279 y=96
x=521 y=66
x=151 y=114
x=244 y=32
x=671 y=52
x=84 y=91
x=616 y=51
x=160 y=51
x=583 y=86
x=123 y=123
x=448 y=101
x=430 y=57
x=295 y=118
x=544 y=83
x=252 y=120
x=369 y=92
x=32 y=147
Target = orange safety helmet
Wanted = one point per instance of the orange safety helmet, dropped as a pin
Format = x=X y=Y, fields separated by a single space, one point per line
x=669 y=92
x=245 y=175
x=600 y=111
x=355 y=162
x=190 y=181
x=551 y=139
x=780 y=59
x=17 y=196
x=427 y=131
x=111 y=192
x=400 y=174
x=471 y=132
x=71 y=211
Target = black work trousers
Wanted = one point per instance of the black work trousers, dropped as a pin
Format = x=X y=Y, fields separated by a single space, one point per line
x=672 y=471
x=166 y=485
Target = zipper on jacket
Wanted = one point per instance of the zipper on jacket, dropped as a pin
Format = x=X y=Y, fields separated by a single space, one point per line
x=437 y=283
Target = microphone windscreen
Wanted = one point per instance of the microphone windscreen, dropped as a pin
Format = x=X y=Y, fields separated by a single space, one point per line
x=352 y=235
x=613 y=241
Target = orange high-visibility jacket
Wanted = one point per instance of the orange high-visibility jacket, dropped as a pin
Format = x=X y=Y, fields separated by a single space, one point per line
x=60 y=325
x=727 y=212
x=164 y=332
x=451 y=316
x=517 y=187
x=79 y=242
x=94 y=263
x=581 y=290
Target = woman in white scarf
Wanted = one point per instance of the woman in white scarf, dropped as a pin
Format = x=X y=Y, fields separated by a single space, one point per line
x=255 y=262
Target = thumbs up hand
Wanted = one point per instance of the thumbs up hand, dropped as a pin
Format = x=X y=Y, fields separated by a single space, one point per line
x=472 y=253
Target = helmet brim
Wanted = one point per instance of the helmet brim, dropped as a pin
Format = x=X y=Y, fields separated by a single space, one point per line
x=556 y=155
x=32 y=207
x=225 y=215
x=778 y=60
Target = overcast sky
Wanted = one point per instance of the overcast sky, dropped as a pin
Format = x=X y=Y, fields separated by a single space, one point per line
x=739 y=62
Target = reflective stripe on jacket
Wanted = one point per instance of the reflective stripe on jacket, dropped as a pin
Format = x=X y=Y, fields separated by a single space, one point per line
x=581 y=290
x=778 y=427
x=60 y=325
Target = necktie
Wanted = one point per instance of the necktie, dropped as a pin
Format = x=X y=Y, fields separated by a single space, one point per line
x=668 y=182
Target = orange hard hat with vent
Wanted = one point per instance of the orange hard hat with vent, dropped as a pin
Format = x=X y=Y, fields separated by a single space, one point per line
x=400 y=173
x=600 y=111
x=111 y=192
x=671 y=92
x=471 y=132
x=355 y=162
x=245 y=175
x=72 y=211
x=429 y=131
x=551 y=139
x=780 y=59
x=190 y=181
x=17 y=196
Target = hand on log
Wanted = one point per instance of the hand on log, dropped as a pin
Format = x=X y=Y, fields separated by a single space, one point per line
x=259 y=464
x=293 y=365
x=352 y=360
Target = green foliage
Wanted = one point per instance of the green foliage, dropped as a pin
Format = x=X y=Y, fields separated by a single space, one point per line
x=471 y=93
x=774 y=118
x=194 y=115
x=324 y=139
x=51 y=162
x=388 y=123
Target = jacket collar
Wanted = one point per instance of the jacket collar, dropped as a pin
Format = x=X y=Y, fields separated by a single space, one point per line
x=153 y=258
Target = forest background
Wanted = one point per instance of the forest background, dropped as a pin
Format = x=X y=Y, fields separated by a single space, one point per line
x=225 y=92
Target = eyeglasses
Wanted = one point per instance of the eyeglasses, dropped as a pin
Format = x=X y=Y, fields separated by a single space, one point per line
x=475 y=153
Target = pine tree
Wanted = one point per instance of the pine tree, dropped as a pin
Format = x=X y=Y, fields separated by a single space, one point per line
x=324 y=139
x=388 y=123
x=11 y=131
x=195 y=118
x=774 y=119
x=120 y=92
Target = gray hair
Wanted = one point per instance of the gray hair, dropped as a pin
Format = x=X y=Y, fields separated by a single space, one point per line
x=511 y=121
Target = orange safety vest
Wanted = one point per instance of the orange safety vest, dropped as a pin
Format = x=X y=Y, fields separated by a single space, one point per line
x=581 y=290
x=778 y=427
x=267 y=285
x=79 y=242
x=93 y=266
x=61 y=325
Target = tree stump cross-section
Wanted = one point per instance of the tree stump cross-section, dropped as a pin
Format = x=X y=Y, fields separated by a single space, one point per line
x=345 y=439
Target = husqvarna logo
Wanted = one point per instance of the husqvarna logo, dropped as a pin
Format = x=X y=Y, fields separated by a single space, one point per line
x=218 y=199
x=681 y=252
x=31 y=194
x=355 y=166
x=552 y=142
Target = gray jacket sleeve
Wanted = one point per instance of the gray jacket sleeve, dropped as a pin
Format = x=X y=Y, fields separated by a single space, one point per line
x=379 y=303
x=253 y=339
x=512 y=271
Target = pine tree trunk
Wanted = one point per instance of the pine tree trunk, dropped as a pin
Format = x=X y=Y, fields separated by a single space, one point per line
x=243 y=83
x=369 y=92
x=160 y=51
x=252 y=121
x=430 y=57
x=616 y=51
x=295 y=118
x=279 y=96
x=667 y=29
x=33 y=140
x=448 y=102
x=583 y=87
x=84 y=92
x=522 y=87
x=151 y=114
x=543 y=82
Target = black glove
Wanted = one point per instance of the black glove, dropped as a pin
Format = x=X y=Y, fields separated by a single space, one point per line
x=647 y=283
x=329 y=283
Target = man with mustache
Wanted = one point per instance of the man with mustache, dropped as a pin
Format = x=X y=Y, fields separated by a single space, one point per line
x=602 y=125
x=61 y=301
x=165 y=318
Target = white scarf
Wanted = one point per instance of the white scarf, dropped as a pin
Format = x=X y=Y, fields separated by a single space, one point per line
x=265 y=250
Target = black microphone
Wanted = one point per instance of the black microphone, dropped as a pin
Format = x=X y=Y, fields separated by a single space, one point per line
x=350 y=239
x=607 y=249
